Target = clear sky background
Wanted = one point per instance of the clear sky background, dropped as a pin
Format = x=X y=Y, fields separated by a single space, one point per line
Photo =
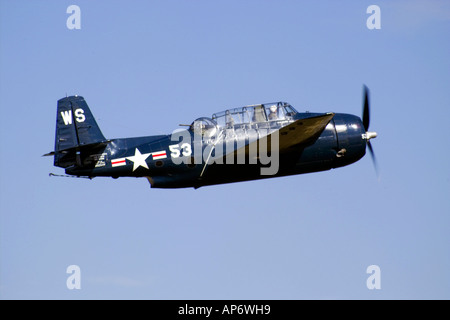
x=146 y=66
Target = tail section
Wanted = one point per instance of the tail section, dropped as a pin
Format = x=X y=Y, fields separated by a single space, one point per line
x=75 y=124
x=77 y=133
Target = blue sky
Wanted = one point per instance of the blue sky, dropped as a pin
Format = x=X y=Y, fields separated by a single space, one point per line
x=146 y=66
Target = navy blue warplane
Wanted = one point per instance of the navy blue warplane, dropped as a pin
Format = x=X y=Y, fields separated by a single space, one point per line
x=240 y=144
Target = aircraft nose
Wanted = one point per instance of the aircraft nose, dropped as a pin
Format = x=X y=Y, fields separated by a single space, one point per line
x=351 y=138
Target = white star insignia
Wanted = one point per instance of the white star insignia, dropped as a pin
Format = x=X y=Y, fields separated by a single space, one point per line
x=139 y=159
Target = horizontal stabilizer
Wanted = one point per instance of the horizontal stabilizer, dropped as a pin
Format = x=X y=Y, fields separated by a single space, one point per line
x=49 y=154
x=97 y=145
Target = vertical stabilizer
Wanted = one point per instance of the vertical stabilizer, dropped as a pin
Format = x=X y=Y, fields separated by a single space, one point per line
x=75 y=128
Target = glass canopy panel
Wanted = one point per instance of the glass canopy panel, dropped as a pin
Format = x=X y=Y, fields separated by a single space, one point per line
x=254 y=114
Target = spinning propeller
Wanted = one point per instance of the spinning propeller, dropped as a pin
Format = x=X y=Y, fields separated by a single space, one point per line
x=366 y=122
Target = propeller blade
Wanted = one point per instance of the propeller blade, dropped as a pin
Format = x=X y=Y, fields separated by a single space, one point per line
x=366 y=111
x=366 y=122
x=372 y=154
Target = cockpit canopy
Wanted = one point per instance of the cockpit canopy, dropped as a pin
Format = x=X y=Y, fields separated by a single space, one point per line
x=254 y=114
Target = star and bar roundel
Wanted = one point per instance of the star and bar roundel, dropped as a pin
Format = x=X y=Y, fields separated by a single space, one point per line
x=138 y=159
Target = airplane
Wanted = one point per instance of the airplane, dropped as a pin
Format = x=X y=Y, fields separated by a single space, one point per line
x=239 y=144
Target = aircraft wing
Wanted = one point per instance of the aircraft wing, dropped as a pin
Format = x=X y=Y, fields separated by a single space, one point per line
x=299 y=132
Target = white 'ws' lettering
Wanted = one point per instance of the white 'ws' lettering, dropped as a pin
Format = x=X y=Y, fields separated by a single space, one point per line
x=67 y=116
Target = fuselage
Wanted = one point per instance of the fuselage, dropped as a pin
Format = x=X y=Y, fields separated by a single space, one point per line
x=190 y=158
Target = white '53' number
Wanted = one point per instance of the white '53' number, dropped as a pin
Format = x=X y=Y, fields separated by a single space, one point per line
x=177 y=150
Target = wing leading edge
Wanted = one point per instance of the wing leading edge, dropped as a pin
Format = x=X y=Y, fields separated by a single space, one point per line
x=299 y=132
x=302 y=131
